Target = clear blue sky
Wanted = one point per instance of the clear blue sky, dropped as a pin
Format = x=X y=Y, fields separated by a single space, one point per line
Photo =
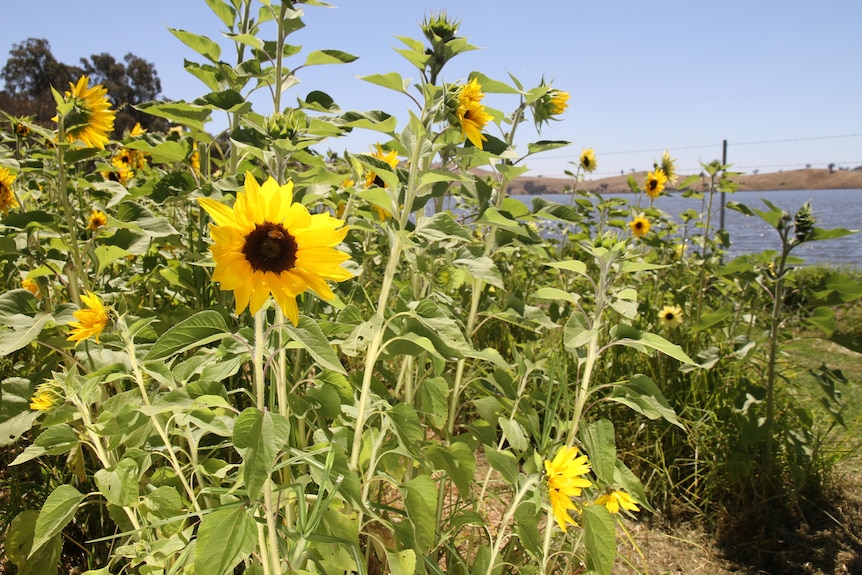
x=643 y=75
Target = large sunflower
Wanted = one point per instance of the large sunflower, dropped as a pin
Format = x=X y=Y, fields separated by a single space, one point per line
x=471 y=113
x=7 y=197
x=655 y=182
x=640 y=226
x=565 y=481
x=90 y=120
x=268 y=245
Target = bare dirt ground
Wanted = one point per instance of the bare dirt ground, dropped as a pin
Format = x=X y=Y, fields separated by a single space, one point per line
x=808 y=179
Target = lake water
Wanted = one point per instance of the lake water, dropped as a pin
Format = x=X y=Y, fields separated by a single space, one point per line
x=750 y=234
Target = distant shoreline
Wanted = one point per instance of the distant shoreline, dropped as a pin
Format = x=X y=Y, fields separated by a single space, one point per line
x=806 y=179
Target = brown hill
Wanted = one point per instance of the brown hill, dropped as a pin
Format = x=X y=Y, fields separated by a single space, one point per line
x=807 y=179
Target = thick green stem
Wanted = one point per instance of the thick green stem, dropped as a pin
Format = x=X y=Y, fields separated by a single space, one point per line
x=73 y=270
x=774 y=328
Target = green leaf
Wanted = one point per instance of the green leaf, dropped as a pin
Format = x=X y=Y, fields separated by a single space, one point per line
x=576 y=266
x=821 y=234
x=134 y=216
x=555 y=294
x=709 y=319
x=401 y=562
x=392 y=80
x=255 y=438
x=514 y=434
x=119 y=484
x=495 y=218
x=599 y=538
x=482 y=268
x=225 y=12
x=164 y=152
x=181 y=113
x=632 y=337
x=309 y=335
x=27 y=329
x=575 y=332
x=458 y=462
x=598 y=438
x=504 y=462
x=200 y=329
x=490 y=86
x=19 y=543
x=329 y=57
x=200 y=44
x=226 y=100
x=441 y=227
x=643 y=395
x=420 y=501
x=56 y=513
x=225 y=537
x=545 y=145
x=105 y=255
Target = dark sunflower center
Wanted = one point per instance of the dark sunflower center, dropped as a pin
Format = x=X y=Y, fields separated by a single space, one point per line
x=652 y=184
x=270 y=248
x=639 y=225
x=668 y=316
x=586 y=162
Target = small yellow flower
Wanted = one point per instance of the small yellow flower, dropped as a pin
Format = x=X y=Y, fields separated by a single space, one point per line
x=588 y=160
x=640 y=226
x=98 y=219
x=670 y=316
x=195 y=159
x=137 y=130
x=92 y=320
x=7 y=196
x=42 y=401
x=30 y=286
x=565 y=481
x=655 y=182
x=614 y=500
x=91 y=120
x=559 y=101
x=22 y=130
x=471 y=113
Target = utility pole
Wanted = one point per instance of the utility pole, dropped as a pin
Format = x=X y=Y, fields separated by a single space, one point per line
x=723 y=163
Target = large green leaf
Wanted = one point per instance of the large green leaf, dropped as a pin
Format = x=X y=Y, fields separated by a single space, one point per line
x=119 y=484
x=255 y=437
x=309 y=335
x=599 y=538
x=458 y=462
x=643 y=395
x=318 y=57
x=207 y=48
x=420 y=500
x=629 y=336
x=19 y=543
x=225 y=537
x=598 y=437
x=56 y=513
x=200 y=329
x=504 y=462
x=178 y=112
x=392 y=80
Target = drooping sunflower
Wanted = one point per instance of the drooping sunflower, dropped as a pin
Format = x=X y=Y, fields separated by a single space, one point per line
x=565 y=481
x=588 y=160
x=670 y=316
x=471 y=113
x=616 y=499
x=559 y=101
x=640 y=226
x=668 y=166
x=43 y=400
x=92 y=320
x=97 y=220
x=655 y=182
x=7 y=196
x=268 y=245
x=90 y=120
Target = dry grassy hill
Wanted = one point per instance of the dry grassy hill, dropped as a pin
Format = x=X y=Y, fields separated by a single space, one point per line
x=807 y=179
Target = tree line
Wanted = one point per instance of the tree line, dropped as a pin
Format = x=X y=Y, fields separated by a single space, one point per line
x=32 y=70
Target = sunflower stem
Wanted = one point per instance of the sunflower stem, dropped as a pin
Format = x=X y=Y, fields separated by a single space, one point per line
x=73 y=270
x=259 y=384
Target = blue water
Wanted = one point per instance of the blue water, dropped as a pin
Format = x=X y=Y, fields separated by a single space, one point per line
x=750 y=234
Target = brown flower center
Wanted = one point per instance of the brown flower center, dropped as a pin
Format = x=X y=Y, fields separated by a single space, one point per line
x=270 y=248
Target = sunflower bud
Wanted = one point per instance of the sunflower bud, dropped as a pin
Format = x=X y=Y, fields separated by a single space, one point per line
x=803 y=223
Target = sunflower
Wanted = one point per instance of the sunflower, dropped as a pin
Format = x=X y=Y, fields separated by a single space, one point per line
x=31 y=286
x=43 y=400
x=640 y=226
x=668 y=166
x=655 y=182
x=92 y=320
x=614 y=500
x=22 y=130
x=268 y=245
x=137 y=130
x=7 y=197
x=565 y=481
x=372 y=179
x=195 y=159
x=559 y=101
x=670 y=316
x=588 y=160
x=471 y=113
x=90 y=119
x=97 y=220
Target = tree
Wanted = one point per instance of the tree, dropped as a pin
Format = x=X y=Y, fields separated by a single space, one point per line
x=29 y=73
x=32 y=70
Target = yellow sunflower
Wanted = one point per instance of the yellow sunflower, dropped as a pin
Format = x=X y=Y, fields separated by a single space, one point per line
x=97 y=220
x=471 y=113
x=7 y=197
x=43 y=401
x=31 y=286
x=614 y=500
x=588 y=160
x=371 y=179
x=565 y=481
x=137 y=130
x=92 y=320
x=670 y=316
x=90 y=120
x=668 y=166
x=559 y=101
x=655 y=182
x=268 y=245
x=640 y=226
